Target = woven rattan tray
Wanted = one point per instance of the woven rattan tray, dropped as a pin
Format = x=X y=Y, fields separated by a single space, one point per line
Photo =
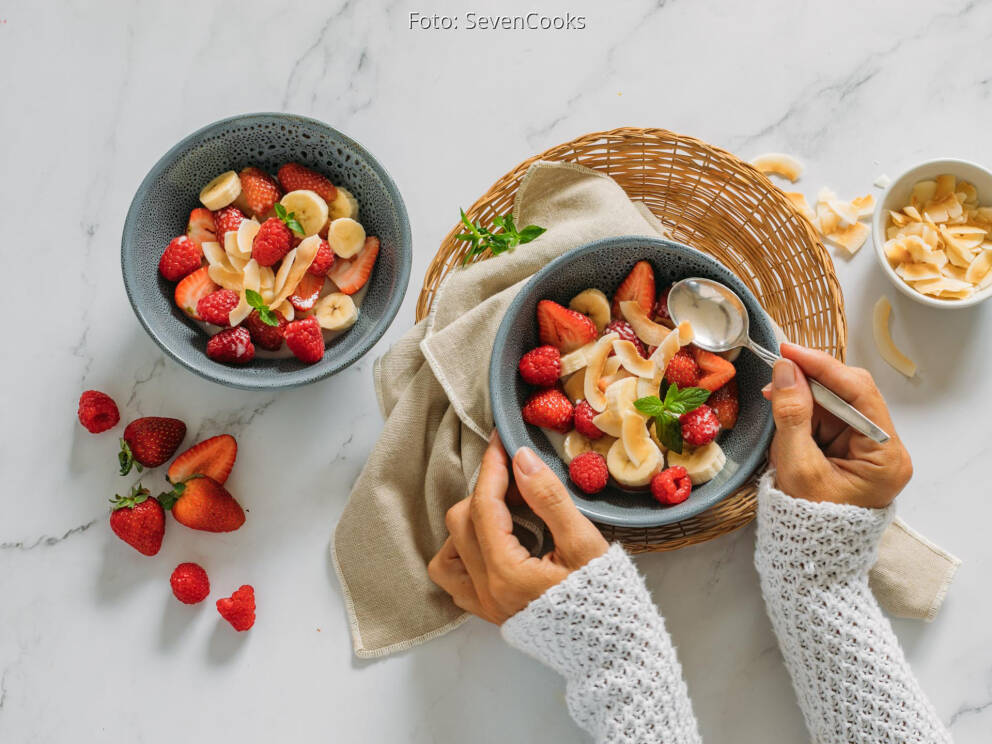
x=715 y=202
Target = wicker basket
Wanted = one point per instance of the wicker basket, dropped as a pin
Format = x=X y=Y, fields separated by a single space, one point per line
x=713 y=201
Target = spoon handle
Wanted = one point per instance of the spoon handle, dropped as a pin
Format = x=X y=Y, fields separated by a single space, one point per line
x=830 y=401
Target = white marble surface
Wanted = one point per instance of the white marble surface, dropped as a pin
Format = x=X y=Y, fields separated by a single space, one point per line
x=92 y=645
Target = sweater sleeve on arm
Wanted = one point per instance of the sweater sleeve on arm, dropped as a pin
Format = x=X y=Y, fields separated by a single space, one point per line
x=601 y=631
x=851 y=678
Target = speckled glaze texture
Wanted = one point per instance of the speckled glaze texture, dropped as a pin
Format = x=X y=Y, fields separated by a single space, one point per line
x=162 y=204
x=603 y=265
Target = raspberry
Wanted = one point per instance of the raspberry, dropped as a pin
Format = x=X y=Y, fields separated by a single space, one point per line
x=725 y=405
x=671 y=486
x=271 y=242
x=97 y=411
x=295 y=177
x=305 y=340
x=583 y=420
x=588 y=471
x=661 y=306
x=700 y=426
x=623 y=329
x=239 y=608
x=541 y=366
x=225 y=220
x=682 y=370
x=549 y=409
x=323 y=261
x=190 y=583
x=232 y=345
x=217 y=306
x=181 y=257
x=262 y=334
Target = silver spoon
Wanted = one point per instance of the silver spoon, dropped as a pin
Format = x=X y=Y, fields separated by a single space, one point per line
x=720 y=323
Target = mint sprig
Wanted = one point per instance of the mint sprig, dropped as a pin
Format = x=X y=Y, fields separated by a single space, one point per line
x=666 y=412
x=289 y=219
x=481 y=239
x=267 y=315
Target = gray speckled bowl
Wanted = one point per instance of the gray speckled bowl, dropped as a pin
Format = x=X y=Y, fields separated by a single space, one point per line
x=161 y=207
x=603 y=265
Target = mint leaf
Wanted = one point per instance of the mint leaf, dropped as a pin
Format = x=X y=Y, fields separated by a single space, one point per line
x=650 y=406
x=684 y=400
x=669 y=431
x=289 y=220
x=265 y=314
x=481 y=239
x=530 y=232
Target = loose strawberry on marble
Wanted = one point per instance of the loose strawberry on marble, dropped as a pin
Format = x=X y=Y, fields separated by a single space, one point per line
x=231 y=346
x=638 y=286
x=192 y=289
x=295 y=177
x=563 y=328
x=351 y=275
x=139 y=520
x=216 y=307
x=271 y=242
x=226 y=220
x=259 y=192
x=181 y=257
x=541 y=366
x=305 y=339
x=323 y=261
x=239 y=608
x=213 y=457
x=97 y=411
x=201 y=503
x=263 y=335
x=549 y=409
x=149 y=441
x=304 y=297
x=201 y=226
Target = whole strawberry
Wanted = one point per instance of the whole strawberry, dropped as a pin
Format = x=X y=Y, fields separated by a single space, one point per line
x=226 y=220
x=272 y=242
x=682 y=370
x=588 y=471
x=541 y=366
x=263 y=335
x=259 y=191
x=584 y=414
x=725 y=405
x=190 y=583
x=323 y=261
x=305 y=339
x=626 y=333
x=699 y=426
x=97 y=411
x=231 y=346
x=181 y=257
x=296 y=177
x=549 y=409
x=239 y=608
x=150 y=441
x=138 y=520
x=216 y=307
x=201 y=503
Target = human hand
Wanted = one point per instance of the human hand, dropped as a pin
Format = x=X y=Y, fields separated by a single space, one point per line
x=818 y=457
x=483 y=566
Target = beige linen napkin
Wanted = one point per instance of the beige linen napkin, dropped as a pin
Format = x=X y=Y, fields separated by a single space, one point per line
x=432 y=388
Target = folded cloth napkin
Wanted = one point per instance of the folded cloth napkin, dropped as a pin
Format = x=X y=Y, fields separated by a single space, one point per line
x=433 y=391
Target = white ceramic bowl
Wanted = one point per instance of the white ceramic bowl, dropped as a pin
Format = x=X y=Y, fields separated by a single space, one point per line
x=896 y=197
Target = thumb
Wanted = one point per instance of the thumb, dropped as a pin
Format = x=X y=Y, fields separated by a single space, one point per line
x=792 y=407
x=547 y=496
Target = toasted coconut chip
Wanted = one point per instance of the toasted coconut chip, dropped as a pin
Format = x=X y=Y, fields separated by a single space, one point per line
x=896 y=251
x=779 y=164
x=225 y=276
x=251 y=279
x=850 y=238
x=573 y=361
x=214 y=254
x=979 y=268
x=646 y=329
x=967 y=193
x=244 y=238
x=898 y=218
x=944 y=186
x=913 y=213
x=594 y=371
x=864 y=205
x=844 y=210
x=825 y=194
x=286 y=309
x=953 y=272
x=799 y=202
x=915 y=272
x=827 y=221
x=305 y=253
x=609 y=423
x=922 y=193
x=883 y=339
x=944 y=284
x=626 y=354
x=669 y=346
x=883 y=181
x=620 y=396
x=266 y=280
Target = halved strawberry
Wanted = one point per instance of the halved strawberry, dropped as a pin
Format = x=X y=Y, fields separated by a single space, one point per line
x=192 y=289
x=639 y=286
x=305 y=295
x=201 y=227
x=212 y=457
x=563 y=328
x=716 y=371
x=350 y=276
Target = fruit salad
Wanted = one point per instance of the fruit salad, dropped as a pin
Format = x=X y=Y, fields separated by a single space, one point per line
x=624 y=395
x=271 y=265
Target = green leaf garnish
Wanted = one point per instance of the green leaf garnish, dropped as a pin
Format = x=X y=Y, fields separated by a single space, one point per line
x=481 y=239
x=137 y=495
x=289 y=220
x=666 y=412
x=126 y=459
x=267 y=315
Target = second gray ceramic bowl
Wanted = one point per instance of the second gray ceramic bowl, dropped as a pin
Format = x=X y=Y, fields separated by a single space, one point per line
x=161 y=208
x=603 y=265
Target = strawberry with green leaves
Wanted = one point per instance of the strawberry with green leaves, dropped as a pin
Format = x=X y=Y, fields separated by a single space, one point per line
x=149 y=441
x=139 y=520
x=201 y=503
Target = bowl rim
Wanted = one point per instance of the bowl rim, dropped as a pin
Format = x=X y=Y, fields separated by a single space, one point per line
x=878 y=235
x=230 y=376
x=501 y=422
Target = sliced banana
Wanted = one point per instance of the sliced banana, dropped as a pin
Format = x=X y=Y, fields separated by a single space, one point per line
x=637 y=441
x=221 y=191
x=702 y=463
x=573 y=361
x=594 y=370
x=609 y=423
x=593 y=304
x=602 y=445
x=344 y=205
x=575 y=444
x=244 y=236
x=670 y=344
x=625 y=472
x=575 y=386
x=336 y=311
x=310 y=210
x=646 y=329
x=632 y=361
x=346 y=237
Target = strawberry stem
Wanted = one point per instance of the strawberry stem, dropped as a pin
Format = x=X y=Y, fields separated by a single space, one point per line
x=137 y=495
x=126 y=459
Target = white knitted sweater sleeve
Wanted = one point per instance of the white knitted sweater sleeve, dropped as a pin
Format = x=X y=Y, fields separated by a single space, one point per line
x=852 y=680
x=601 y=631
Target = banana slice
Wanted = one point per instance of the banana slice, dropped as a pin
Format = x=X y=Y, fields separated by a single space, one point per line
x=670 y=344
x=346 y=237
x=336 y=311
x=633 y=362
x=221 y=191
x=646 y=329
x=575 y=386
x=702 y=463
x=625 y=472
x=609 y=423
x=593 y=304
x=594 y=370
x=576 y=360
x=310 y=210
x=602 y=445
x=575 y=445
x=637 y=442
x=344 y=205
x=243 y=238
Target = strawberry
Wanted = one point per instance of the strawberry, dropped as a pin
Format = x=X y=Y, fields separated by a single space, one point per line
x=716 y=371
x=262 y=334
x=138 y=520
x=639 y=286
x=271 y=242
x=626 y=332
x=699 y=426
x=226 y=220
x=150 y=441
x=661 y=307
x=351 y=275
x=541 y=366
x=201 y=503
x=213 y=457
x=305 y=295
x=192 y=289
x=97 y=411
x=190 y=583
x=239 y=608
x=671 y=486
x=231 y=346
x=588 y=471
x=296 y=177
x=549 y=409
x=305 y=339
x=323 y=261
x=216 y=307
x=259 y=191
x=584 y=414
x=201 y=227
x=181 y=257
x=683 y=370
x=725 y=404
x=566 y=329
